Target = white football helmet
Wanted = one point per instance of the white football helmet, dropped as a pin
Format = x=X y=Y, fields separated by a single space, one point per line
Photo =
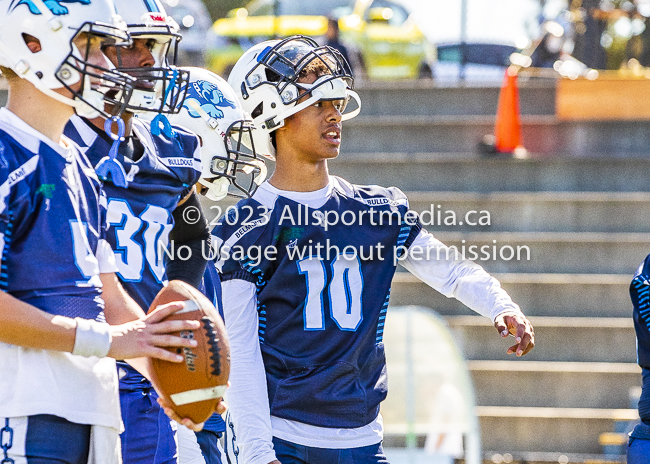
x=59 y=63
x=265 y=80
x=157 y=88
x=211 y=110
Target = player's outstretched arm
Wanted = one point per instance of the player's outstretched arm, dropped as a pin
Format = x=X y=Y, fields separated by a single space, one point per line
x=516 y=324
x=438 y=266
x=136 y=335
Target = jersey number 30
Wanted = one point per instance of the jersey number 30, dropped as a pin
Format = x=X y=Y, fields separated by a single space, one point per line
x=344 y=286
x=130 y=254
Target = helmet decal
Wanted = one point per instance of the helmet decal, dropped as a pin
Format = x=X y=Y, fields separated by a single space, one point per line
x=208 y=97
x=54 y=5
x=151 y=6
x=231 y=165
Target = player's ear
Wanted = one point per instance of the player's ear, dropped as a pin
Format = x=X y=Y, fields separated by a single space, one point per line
x=32 y=43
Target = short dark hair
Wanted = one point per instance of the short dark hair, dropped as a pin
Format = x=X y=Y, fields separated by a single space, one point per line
x=319 y=66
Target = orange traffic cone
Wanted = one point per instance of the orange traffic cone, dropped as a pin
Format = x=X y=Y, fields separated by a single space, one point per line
x=507 y=130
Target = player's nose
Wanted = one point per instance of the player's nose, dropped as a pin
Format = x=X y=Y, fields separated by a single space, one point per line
x=333 y=115
x=146 y=57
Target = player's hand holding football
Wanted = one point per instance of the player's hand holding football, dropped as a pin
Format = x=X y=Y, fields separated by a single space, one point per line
x=147 y=336
x=516 y=324
x=167 y=407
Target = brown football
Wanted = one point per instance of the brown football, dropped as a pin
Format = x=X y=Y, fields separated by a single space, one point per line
x=196 y=385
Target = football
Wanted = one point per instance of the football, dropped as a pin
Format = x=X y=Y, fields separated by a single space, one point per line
x=195 y=385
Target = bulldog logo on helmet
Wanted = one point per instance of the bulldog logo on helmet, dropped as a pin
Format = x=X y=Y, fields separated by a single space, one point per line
x=54 y=5
x=208 y=97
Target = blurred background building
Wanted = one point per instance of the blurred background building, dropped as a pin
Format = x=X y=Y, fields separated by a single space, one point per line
x=408 y=39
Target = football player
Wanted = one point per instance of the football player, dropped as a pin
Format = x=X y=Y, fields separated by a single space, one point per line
x=230 y=167
x=58 y=388
x=319 y=286
x=152 y=205
x=638 y=448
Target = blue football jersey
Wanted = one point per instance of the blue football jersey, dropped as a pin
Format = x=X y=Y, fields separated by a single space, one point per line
x=211 y=287
x=51 y=221
x=140 y=216
x=640 y=294
x=323 y=287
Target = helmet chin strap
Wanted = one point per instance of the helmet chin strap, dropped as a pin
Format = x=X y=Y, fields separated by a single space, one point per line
x=45 y=11
x=263 y=171
x=213 y=123
x=94 y=100
x=217 y=189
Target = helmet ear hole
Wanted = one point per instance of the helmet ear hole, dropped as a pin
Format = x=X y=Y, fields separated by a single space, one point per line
x=272 y=76
x=259 y=109
x=32 y=43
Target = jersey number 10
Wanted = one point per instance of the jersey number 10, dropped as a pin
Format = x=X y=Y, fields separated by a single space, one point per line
x=344 y=285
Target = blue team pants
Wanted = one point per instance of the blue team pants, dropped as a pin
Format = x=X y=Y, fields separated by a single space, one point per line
x=210 y=446
x=290 y=453
x=638 y=447
x=44 y=439
x=148 y=436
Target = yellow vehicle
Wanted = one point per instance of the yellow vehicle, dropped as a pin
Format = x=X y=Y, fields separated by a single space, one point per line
x=382 y=41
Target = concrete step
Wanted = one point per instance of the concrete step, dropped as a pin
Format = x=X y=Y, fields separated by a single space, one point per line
x=533 y=211
x=520 y=431
x=580 y=295
x=554 y=384
x=463 y=172
x=460 y=134
x=564 y=339
x=424 y=98
x=547 y=252
x=566 y=430
x=519 y=382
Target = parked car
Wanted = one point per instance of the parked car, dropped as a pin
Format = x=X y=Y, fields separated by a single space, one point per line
x=484 y=62
x=383 y=42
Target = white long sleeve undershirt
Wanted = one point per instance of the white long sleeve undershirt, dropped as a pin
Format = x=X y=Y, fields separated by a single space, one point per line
x=247 y=396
